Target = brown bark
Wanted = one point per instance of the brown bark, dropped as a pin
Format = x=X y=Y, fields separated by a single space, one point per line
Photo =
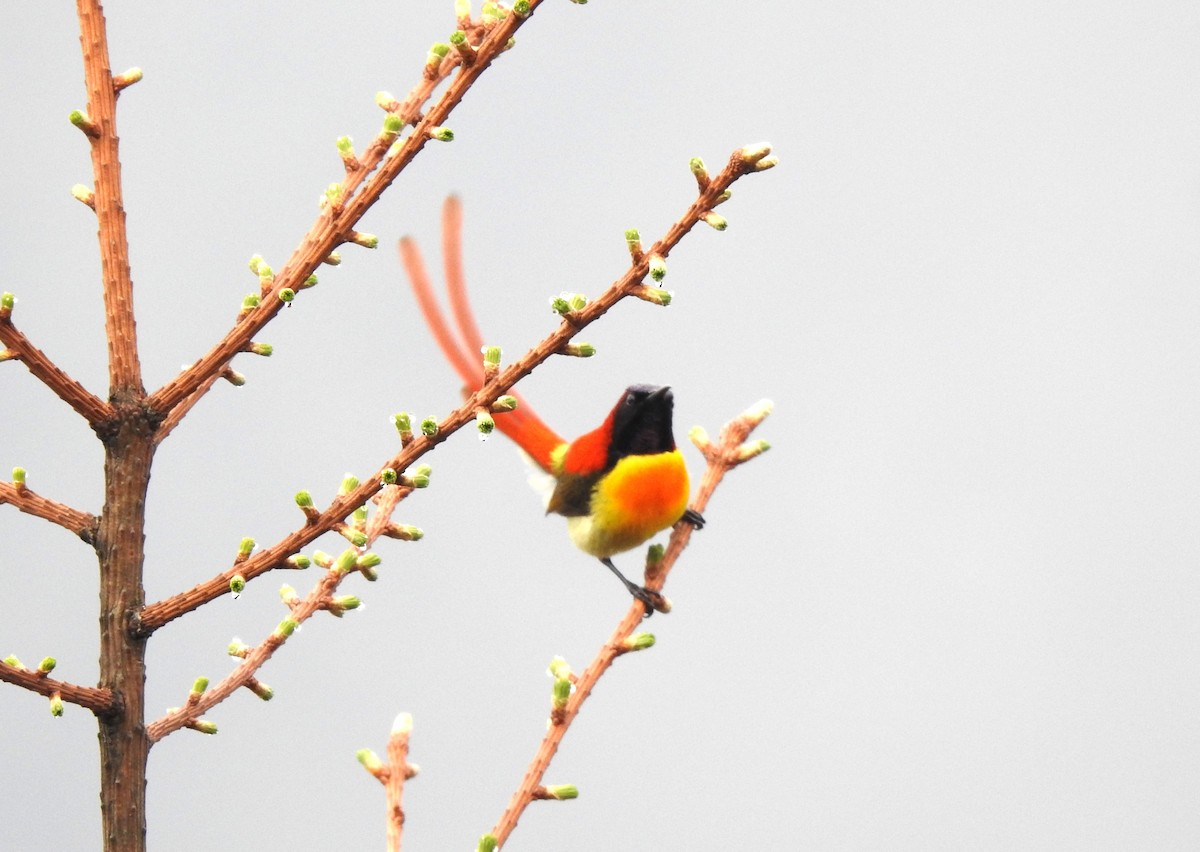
x=120 y=547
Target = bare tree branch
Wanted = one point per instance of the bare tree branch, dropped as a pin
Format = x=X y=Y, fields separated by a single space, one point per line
x=100 y=127
x=337 y=221
x=712 y=191
x=392 y=776
x=97 y=699
x=91 y=407
x=23 y=498
x=730 y=452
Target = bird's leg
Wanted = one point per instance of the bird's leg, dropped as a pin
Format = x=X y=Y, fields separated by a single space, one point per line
x=651 y=600
x=694 y=518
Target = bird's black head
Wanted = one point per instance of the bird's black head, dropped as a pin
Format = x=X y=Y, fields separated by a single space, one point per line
x=641 y=423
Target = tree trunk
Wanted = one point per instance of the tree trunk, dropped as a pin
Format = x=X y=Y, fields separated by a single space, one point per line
x=120 y=547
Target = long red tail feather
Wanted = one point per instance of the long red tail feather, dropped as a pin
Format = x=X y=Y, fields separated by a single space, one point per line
x=463 y=350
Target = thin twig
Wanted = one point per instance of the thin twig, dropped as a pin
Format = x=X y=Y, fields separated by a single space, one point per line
x=24 y=499
x=392 y=776
x=253 y=659
x=91 y=407
x=155 y=615
x=399 y=771
x=338 y=220
x=729 y=453
x=180 y=411
x=97 y=699
x=124 y=370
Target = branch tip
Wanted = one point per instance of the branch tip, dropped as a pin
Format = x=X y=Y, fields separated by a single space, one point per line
x=566 y=304
x=126 y=79
x=305 y=502
x=633 y=241
x=653 y=295
x=637 y=642
x=657 y=266
x=365 y=240
x=578 y=350
x=233 y=376
x=556 y=792
x=84 y=195
x=81 y=120
x=259 y=688
x=403 y=423
x=466 y=51
x=755 y=157
x=484 y=423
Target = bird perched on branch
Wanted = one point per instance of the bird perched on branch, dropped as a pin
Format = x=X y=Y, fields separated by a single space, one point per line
x=617 y=485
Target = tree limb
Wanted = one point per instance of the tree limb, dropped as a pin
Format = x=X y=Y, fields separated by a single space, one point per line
x=729 y=453
x=320 y=598
x=337 y=221
x=743 y=161
x=124 y=370
x=91 y=407
x=24 y=499
x=97 y=699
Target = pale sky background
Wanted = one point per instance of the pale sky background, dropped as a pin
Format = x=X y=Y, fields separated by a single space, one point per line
x=956 y=606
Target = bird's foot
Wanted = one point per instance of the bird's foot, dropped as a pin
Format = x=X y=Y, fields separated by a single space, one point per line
x=694 y=518
x=653 y=601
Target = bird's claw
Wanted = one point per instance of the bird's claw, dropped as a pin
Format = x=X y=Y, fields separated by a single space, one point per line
x=694 y=518
x=653 y=601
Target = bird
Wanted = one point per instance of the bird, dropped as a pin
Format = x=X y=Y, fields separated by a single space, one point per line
x=619 y=484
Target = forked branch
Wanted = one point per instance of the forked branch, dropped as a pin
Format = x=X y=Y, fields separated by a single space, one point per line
x=337 y=221
x=321 y=597
x=712 y=192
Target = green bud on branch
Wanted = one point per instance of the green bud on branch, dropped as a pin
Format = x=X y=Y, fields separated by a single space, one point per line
x=80 y=119
x=638 y=642
x=561 y=792
x=658 y=267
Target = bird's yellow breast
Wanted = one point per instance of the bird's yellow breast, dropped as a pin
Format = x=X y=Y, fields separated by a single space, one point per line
x=640 y=496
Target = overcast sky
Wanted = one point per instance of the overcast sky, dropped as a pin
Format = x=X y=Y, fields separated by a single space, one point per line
x=954 y=607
